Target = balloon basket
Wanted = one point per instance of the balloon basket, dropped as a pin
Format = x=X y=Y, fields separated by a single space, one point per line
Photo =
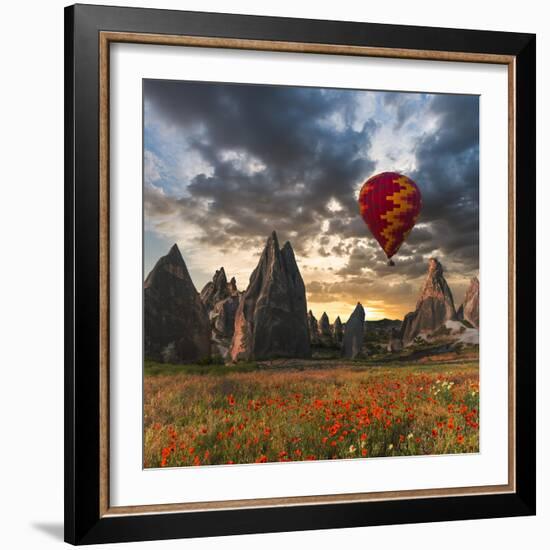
x=391 y=263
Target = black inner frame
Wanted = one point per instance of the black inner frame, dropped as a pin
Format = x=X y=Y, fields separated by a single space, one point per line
x=83 y=524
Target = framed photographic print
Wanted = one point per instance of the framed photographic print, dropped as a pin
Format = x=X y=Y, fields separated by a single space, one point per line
x=299 y=274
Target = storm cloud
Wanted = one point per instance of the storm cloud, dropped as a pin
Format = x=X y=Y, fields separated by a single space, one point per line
x=225 y=164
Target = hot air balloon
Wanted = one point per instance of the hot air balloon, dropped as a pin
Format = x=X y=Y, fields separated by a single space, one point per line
x=390 y=204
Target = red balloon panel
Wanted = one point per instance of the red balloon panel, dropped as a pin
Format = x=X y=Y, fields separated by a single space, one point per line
x=390 y=204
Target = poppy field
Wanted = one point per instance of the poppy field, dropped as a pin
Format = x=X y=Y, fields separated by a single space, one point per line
x=195 y=417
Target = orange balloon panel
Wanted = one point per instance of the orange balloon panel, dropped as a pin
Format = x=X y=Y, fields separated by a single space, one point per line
x=390 y=204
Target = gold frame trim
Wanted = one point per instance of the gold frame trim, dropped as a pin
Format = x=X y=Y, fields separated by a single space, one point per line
x=105 y=39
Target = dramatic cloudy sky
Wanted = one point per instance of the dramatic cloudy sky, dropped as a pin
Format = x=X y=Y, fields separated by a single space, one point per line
x=225 y=164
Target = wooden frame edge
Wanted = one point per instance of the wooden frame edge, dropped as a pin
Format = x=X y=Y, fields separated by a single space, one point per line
x=104 y=270
x=300 y=47
x=512 y=355
x=105 y=39
x=316 y=500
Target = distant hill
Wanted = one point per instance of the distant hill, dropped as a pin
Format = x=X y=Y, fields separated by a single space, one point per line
x=383 y=324
x=380 y=330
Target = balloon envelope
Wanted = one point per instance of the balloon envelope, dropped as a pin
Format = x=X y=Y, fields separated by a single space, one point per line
x=390 y=204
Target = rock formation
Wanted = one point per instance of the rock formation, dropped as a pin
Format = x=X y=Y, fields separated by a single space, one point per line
x=395 y=344
x=222 y=317
x=353 y=333
x=221 y=299
x=381 y=328
x=271 y=319
x=325 y=330
x=313 y=327
x=469 y=310
x=215 y=290
x=435 y=305
x=176 y=326
x=338 y=332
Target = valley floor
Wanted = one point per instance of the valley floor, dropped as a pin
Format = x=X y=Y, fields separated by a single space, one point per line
x=320 y=409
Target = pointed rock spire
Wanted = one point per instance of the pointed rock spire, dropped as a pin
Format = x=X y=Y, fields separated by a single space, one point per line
x=172 y=263
x=176 y=326
x=174 y=254
x=221 y=299
x=338 y=331
x=232 y=285
x=324 y=325
x=325 y=330
x=353 y=333
x=215 y=290
x=434 y=307
x=271 y=320
x=313 y=329
x=220 y=279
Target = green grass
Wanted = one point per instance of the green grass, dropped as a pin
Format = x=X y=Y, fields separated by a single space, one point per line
x=152 y=368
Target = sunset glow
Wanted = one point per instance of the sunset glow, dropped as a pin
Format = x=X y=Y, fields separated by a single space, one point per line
x=227 y=164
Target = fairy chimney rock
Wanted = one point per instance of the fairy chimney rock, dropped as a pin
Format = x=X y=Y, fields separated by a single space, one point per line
x=324 y=325
x=313 y=328
x=221 y=300
x=434 y=307
x=353 y=333
x=338 y=331
x=271 y=320
x=176 y=326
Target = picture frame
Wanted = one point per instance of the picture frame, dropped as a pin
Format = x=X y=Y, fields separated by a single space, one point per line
x=89 y=33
